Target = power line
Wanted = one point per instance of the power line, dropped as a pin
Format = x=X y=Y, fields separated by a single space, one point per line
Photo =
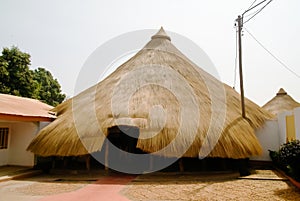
x=253 y=7
x=276 y=58
x=250 y=14
x=251 y=4
x=257 y=11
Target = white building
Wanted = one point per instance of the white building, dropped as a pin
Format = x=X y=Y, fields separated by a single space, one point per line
x=285 y=127
x=20 y=120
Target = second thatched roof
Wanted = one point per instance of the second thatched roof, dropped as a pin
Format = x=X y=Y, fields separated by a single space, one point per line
x=172 y=101
x=281 y=102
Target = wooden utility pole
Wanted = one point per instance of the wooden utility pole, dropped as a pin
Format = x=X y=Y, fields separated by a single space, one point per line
x=240 y=26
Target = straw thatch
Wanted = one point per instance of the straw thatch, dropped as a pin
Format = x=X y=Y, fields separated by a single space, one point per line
x=281 y=102
x=156 y=90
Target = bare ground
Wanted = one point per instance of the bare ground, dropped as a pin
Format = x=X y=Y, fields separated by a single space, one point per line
x=262 y=185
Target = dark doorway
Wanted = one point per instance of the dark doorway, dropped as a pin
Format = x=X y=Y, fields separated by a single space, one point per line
x=124 y=138
x=120 y=151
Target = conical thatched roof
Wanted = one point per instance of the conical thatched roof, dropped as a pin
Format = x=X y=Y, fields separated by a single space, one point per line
x=172 y=101
x=281 y=102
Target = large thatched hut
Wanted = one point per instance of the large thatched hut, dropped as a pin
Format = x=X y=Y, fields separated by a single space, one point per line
x=281 y=102
x=174 y=108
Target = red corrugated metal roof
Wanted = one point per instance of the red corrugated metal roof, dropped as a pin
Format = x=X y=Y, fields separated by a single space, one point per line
x=19 y=108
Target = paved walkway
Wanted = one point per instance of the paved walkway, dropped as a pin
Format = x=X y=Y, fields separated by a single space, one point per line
x=105 y=189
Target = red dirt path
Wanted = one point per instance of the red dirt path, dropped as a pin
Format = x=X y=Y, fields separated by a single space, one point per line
x=105 y=189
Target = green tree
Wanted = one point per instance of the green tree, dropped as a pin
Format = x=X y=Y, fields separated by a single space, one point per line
x=17 y=79
x=48 y=88
x=4 y=76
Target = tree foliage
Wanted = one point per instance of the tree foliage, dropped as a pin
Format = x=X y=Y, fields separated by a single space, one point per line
x=48 y=87
x=17 y=79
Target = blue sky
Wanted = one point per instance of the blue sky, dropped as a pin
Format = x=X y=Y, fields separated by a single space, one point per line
x=60 y=35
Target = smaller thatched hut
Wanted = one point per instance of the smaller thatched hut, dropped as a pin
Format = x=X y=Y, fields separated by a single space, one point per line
x=281 y=102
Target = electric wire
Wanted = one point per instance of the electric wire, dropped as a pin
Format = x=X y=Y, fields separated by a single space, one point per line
x=276 y=58
x=253 y=7
x=250 y=14
x=251 y=4
x=257 y=12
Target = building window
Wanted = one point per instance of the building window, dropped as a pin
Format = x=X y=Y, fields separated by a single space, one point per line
x=3 y=138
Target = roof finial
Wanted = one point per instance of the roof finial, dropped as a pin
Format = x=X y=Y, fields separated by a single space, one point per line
x=161 y=34
x=281 y=92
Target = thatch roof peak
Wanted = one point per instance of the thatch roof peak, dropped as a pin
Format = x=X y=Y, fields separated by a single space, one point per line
x=161 y=34
x=281 y=102
x=281 y=92
x=162 y=42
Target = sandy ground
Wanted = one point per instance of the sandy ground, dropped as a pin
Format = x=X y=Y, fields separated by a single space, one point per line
x=35 y=188
x=262 y=185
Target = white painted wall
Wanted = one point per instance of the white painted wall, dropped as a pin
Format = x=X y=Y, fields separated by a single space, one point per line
x=269 y=137
x=273 y=134
x=297 y=122
x=3 y=157
x=21 y=135
x=282 y=125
